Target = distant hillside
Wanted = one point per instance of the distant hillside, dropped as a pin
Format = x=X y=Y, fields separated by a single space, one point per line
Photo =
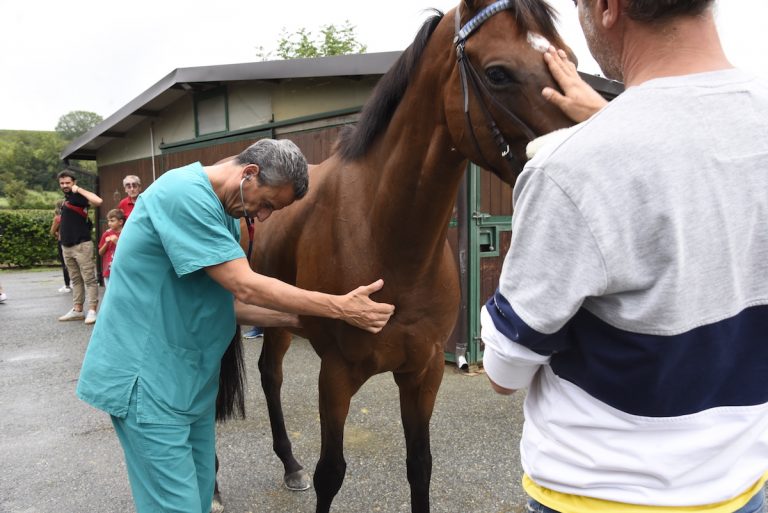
x=24 y=135
x=30 y=156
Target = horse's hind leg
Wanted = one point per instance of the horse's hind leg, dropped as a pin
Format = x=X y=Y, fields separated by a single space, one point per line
x=276 y=344
x=336 y=386
x=418 y=392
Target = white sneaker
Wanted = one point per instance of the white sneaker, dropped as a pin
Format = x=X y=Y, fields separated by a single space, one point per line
x=64 y=288
x=3 y=297
x=72 y=315
x=91 y=317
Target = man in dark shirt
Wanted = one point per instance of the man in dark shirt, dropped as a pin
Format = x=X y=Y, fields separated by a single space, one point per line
x=77 y=247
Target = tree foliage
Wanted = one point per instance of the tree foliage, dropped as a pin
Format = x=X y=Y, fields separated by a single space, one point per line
x=29 y=162
x=302 y=44
x=74 y=124
x=16 y=192
x=31 y=158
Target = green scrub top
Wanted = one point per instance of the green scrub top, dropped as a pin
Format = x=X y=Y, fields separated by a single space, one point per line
x=164 y=324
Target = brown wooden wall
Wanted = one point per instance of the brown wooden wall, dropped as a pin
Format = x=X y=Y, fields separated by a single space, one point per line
x=495 y=195
x=315 y=144
x=490 y=267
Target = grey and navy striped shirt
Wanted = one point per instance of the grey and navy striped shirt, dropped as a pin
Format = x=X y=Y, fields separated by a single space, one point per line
x=634 y=299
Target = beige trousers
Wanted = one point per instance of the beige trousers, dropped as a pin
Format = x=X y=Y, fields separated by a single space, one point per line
x=81 y=264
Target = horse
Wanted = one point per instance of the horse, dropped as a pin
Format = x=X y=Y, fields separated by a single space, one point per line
x=467 y=88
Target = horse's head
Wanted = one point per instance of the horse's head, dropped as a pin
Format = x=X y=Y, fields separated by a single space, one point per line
x=494 y=105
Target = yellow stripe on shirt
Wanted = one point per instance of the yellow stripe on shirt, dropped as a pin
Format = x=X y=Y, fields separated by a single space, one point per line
x=568 y=503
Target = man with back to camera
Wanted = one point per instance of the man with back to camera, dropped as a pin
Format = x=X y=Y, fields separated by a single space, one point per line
x=154 y=358
x=633 y=301
x=77 y=247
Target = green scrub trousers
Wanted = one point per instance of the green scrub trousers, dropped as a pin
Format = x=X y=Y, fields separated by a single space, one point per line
x=171 y=468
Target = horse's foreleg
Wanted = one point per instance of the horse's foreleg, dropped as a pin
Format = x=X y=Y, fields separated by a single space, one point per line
x=275 y=345
x=418 y=392
x=336 y=387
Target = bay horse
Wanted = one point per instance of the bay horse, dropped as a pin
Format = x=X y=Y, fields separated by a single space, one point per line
x=467 y=88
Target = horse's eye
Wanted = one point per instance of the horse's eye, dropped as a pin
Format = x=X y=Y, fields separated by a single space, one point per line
x=499 y=76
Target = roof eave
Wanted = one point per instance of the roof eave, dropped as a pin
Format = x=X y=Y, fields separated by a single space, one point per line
x=343 y=65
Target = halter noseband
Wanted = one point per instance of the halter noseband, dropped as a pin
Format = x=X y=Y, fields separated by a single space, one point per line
x=470 y=75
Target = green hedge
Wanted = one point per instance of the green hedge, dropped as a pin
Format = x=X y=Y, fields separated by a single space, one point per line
x=25 y=239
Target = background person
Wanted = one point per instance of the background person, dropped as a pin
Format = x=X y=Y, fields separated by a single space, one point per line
x=108 y=242
x=77 y=247
x=132 y=186
x=153 y=360
x=628 y=303
x=55 y=225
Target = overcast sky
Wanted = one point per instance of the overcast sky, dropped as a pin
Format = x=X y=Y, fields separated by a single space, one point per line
x=56 y=57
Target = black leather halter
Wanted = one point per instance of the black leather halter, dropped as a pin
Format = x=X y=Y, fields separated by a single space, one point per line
x=470 y=75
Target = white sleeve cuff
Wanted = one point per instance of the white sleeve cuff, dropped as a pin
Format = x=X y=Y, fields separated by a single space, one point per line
x=507 y=363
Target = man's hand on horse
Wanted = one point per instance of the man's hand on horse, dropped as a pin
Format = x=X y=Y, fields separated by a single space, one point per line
x=579 y=101
x=359 y=310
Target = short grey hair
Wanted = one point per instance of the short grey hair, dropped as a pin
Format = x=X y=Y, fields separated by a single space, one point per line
x=280 y=162
x=132 y=178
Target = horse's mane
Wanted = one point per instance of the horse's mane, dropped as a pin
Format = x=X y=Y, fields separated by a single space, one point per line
x=355 y=141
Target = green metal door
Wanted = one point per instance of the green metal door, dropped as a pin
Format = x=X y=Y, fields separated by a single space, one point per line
x=481 y=243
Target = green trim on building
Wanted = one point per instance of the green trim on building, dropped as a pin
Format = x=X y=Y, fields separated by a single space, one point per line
x=265 y=130
x=204 y=142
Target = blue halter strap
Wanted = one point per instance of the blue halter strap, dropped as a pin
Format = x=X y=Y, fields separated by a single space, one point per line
x=479 y=18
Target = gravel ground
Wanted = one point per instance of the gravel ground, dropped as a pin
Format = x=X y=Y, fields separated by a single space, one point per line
x=60 y=455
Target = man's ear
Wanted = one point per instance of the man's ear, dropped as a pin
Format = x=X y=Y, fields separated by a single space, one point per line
x=250 y=170
x=610 y=11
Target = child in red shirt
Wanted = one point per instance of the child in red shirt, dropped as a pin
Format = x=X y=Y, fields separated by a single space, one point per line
x=108 y=242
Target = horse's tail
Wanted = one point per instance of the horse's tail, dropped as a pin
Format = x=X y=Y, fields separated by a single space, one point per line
x=230 y=402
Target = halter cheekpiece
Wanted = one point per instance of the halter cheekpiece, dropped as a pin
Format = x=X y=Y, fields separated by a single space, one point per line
x=470 y=76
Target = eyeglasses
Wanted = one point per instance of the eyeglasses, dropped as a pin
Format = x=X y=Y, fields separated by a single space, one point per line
x=132 y=185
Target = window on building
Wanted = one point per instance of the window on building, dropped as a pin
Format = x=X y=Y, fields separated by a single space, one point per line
x=211 y=112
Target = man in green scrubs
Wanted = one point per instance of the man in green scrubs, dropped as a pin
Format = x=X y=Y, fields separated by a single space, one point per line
x=169 y=314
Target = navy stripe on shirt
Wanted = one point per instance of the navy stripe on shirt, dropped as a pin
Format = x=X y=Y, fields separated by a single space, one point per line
x=506 y=320
x=709 y=366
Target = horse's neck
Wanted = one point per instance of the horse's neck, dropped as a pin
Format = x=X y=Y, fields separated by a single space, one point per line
x=412 y=172
x=415 y=173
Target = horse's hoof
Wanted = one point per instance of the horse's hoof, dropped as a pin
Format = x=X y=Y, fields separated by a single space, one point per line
x=297 y=481
x=216 y=505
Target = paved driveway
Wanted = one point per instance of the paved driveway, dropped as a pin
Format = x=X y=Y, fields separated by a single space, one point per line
x=60 y=455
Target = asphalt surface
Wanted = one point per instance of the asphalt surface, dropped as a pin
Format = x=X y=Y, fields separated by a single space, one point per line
x=58 y=454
